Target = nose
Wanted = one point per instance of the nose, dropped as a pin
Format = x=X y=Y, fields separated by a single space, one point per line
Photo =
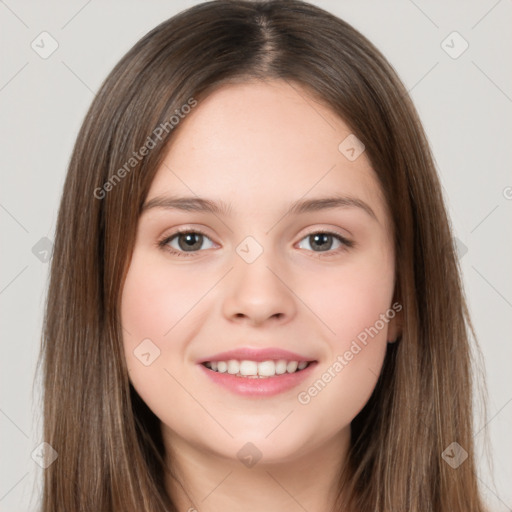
x=258 y=293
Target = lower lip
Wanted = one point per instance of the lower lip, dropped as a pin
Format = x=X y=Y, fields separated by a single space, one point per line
x=269 y=386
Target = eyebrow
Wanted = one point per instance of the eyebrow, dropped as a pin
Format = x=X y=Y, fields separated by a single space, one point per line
x=198 y=204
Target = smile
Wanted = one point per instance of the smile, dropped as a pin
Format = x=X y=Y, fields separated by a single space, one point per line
x=257 y=378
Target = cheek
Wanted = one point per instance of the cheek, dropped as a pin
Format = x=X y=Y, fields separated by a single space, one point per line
x=353 y=298
x=153 y=302
x=156 y=298
x=341 y=388
x=355 y=304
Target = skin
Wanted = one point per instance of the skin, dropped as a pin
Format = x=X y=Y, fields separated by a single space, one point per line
x=259 y=146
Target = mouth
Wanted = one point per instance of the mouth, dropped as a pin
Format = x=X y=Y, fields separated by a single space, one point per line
x=258 y=379
x=257 y=369
x=255 y=372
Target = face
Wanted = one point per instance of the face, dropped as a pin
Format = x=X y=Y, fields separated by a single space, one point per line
x=257 y=276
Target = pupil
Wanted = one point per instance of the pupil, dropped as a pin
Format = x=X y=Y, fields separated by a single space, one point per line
x=190 y=241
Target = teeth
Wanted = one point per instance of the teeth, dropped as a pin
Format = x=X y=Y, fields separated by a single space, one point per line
x=267 y=368
x=248 y=368
x=254 y=369
x=292 y=366
x=233 y=366
x=280 y=367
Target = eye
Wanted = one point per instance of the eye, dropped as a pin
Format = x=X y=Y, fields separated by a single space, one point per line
x=184 y=241
x=324 y=242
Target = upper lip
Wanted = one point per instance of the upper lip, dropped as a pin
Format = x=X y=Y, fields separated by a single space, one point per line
x=256 y=354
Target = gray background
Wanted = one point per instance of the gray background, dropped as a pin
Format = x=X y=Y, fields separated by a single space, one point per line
x=465 y=104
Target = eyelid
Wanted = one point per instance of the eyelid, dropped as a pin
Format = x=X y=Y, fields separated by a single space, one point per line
x=328 y=231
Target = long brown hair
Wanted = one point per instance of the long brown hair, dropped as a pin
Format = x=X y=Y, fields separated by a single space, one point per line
x=109 y=445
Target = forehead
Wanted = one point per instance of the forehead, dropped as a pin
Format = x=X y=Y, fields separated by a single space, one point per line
x=255 y=144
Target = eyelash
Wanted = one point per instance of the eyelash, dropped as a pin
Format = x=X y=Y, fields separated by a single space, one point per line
x=162 y=244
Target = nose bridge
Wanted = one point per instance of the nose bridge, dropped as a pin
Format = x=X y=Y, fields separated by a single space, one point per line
x=256 y=290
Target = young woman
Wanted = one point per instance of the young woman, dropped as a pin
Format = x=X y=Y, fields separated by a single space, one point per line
x=255 y=301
